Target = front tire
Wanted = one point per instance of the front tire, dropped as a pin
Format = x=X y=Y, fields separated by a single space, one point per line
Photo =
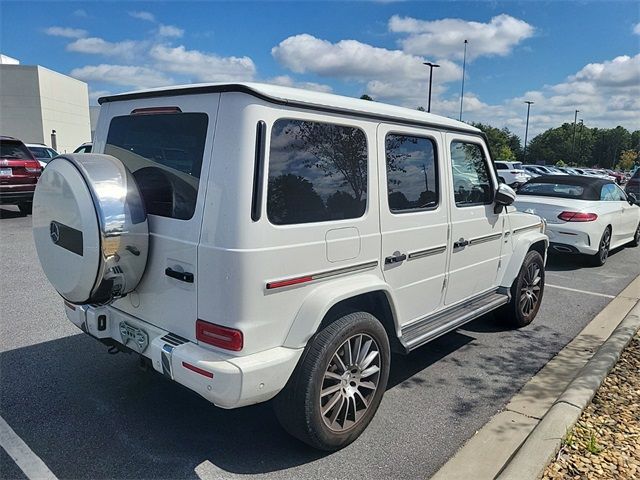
x=526 y=292
x=337 y=386
x=600 y=258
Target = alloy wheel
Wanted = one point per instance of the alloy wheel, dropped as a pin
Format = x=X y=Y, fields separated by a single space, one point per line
x=530 y=290
x=350 y=382
x=604 y=245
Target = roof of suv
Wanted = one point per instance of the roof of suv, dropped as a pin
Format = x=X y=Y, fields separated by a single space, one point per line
x=296 y=97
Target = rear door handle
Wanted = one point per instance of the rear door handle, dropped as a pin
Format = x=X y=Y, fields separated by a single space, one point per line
x=182 y=276
x=395 y=258
x=460 y=243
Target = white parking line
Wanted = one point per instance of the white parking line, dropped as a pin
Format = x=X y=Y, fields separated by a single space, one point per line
x=580 y=291
x=30 y=464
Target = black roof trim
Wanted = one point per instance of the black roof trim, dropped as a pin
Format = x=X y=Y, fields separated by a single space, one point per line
x=195 y=90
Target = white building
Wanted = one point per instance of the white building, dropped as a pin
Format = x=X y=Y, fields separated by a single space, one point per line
x=35 y=101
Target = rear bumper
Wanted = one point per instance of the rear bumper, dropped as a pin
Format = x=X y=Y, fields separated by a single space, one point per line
x=225 y=380
x=11 y=196
x=566 y=239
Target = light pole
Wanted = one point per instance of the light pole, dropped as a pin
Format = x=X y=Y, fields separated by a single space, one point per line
x=431 y=67
x=573 y=143
x=526 y=130
x=464 y=66
x=580 y=140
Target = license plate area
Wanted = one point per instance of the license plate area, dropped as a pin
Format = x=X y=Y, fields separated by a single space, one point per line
x=133 y=337
x=6 y=172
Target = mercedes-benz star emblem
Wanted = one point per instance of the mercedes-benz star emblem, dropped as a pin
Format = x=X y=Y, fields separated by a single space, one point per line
x=54 y=231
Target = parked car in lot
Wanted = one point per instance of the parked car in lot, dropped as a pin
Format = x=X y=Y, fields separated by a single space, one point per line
x=583 y=214
x=536 y=170
x=297 y=239
x=42 y=153
x=19 y=173
x=511 y=173
x=84 y=148
x=633 y=185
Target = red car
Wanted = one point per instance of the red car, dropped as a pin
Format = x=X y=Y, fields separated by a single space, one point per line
x=19 y=173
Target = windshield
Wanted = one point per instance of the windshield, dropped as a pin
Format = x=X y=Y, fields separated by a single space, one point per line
x=14 y=149
x=560 y=190
x=43 y=153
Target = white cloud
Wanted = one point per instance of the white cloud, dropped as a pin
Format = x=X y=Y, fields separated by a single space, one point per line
x=94 y=95
x=170 y=31
x=142 y=15
x=80 y=13
x=65 y=32
x=353 y=60
x=287 y=81
x=93 y=45
x=206 y=67
x=445 y=38
x=636 y=28
x=127 y=75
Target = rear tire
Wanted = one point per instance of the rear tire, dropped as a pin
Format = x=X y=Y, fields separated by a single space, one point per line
x=600 y=258
x=636 y=238
x=25 y=208
x=526 y=293
x=337 y=386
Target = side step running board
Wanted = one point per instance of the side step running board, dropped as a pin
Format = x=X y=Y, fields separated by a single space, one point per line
x=428 y=328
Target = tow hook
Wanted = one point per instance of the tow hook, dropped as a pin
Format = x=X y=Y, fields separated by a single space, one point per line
x=113 y=350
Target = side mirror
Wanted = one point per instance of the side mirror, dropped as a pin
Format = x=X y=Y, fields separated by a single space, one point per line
x=505 y=195
x=633 y=199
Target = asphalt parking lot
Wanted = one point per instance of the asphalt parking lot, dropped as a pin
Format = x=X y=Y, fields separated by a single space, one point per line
x=91 y=415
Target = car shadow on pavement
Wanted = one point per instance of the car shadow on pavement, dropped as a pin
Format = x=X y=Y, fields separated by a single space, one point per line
x=557 y=262
x=7 y=211
x=89 y=414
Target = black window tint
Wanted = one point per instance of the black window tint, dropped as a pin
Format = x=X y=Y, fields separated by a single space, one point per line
x=471 y=179
x=15 y=150
x=164 y=153
x=317 y=172
x=412 y=179
x=500 y=166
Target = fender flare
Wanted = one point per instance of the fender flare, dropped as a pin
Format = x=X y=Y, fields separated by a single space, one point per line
x=324 y=297
x=523 y=242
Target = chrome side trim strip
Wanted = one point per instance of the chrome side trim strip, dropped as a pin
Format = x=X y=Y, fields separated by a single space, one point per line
x=485 y=238
x=528 y=227
x=343 y=270
x=427 y=252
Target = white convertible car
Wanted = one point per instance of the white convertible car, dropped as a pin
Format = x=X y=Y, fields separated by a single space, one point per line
x=586 y=215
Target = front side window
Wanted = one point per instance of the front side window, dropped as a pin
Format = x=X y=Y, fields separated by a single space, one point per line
x=164 y=152
x=412 y=178
x=317 y=172
x=471 y=178
x=612 y=193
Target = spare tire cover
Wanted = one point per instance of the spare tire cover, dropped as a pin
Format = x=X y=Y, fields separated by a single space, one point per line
x=90 y=228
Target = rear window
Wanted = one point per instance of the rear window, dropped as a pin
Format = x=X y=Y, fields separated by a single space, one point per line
x=15 y=150
x=164 y=152
x=559 y=190
x=317 y=172
x=41 y=153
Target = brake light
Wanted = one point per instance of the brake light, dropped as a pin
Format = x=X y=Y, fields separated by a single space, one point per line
x=155 y=110
x=218 y=336
x=33 y=170
x=577 y=217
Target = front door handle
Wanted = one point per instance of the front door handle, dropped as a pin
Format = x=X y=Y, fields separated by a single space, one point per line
x=182 y=276
x=395 y=258
x=460 y=243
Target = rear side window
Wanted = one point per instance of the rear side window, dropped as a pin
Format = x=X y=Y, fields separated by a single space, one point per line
x=317 y=172
x=412 y=179
x=501 y=166
x=471 y=179
x=164 y=152
x=11 y=149
x=559 y=190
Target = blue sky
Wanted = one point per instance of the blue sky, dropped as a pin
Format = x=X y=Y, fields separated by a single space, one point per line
x=564 y=55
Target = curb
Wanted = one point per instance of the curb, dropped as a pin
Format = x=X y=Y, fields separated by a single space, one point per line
x=489 y=452
x=543 y=443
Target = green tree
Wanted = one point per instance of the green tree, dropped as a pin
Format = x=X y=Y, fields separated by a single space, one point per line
x=366 y=97
x=627 y=160
x=504 y=144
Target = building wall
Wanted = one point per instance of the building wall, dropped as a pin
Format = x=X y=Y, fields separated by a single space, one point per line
x=20 y=111
x=65 y=109
x=35 y=100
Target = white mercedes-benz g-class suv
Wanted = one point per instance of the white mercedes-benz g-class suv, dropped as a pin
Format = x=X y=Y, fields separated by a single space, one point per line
x=254 y=242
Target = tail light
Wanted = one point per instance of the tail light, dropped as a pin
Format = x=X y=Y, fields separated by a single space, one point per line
x=33 y=170
x=218 y=336
x=577 y=217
